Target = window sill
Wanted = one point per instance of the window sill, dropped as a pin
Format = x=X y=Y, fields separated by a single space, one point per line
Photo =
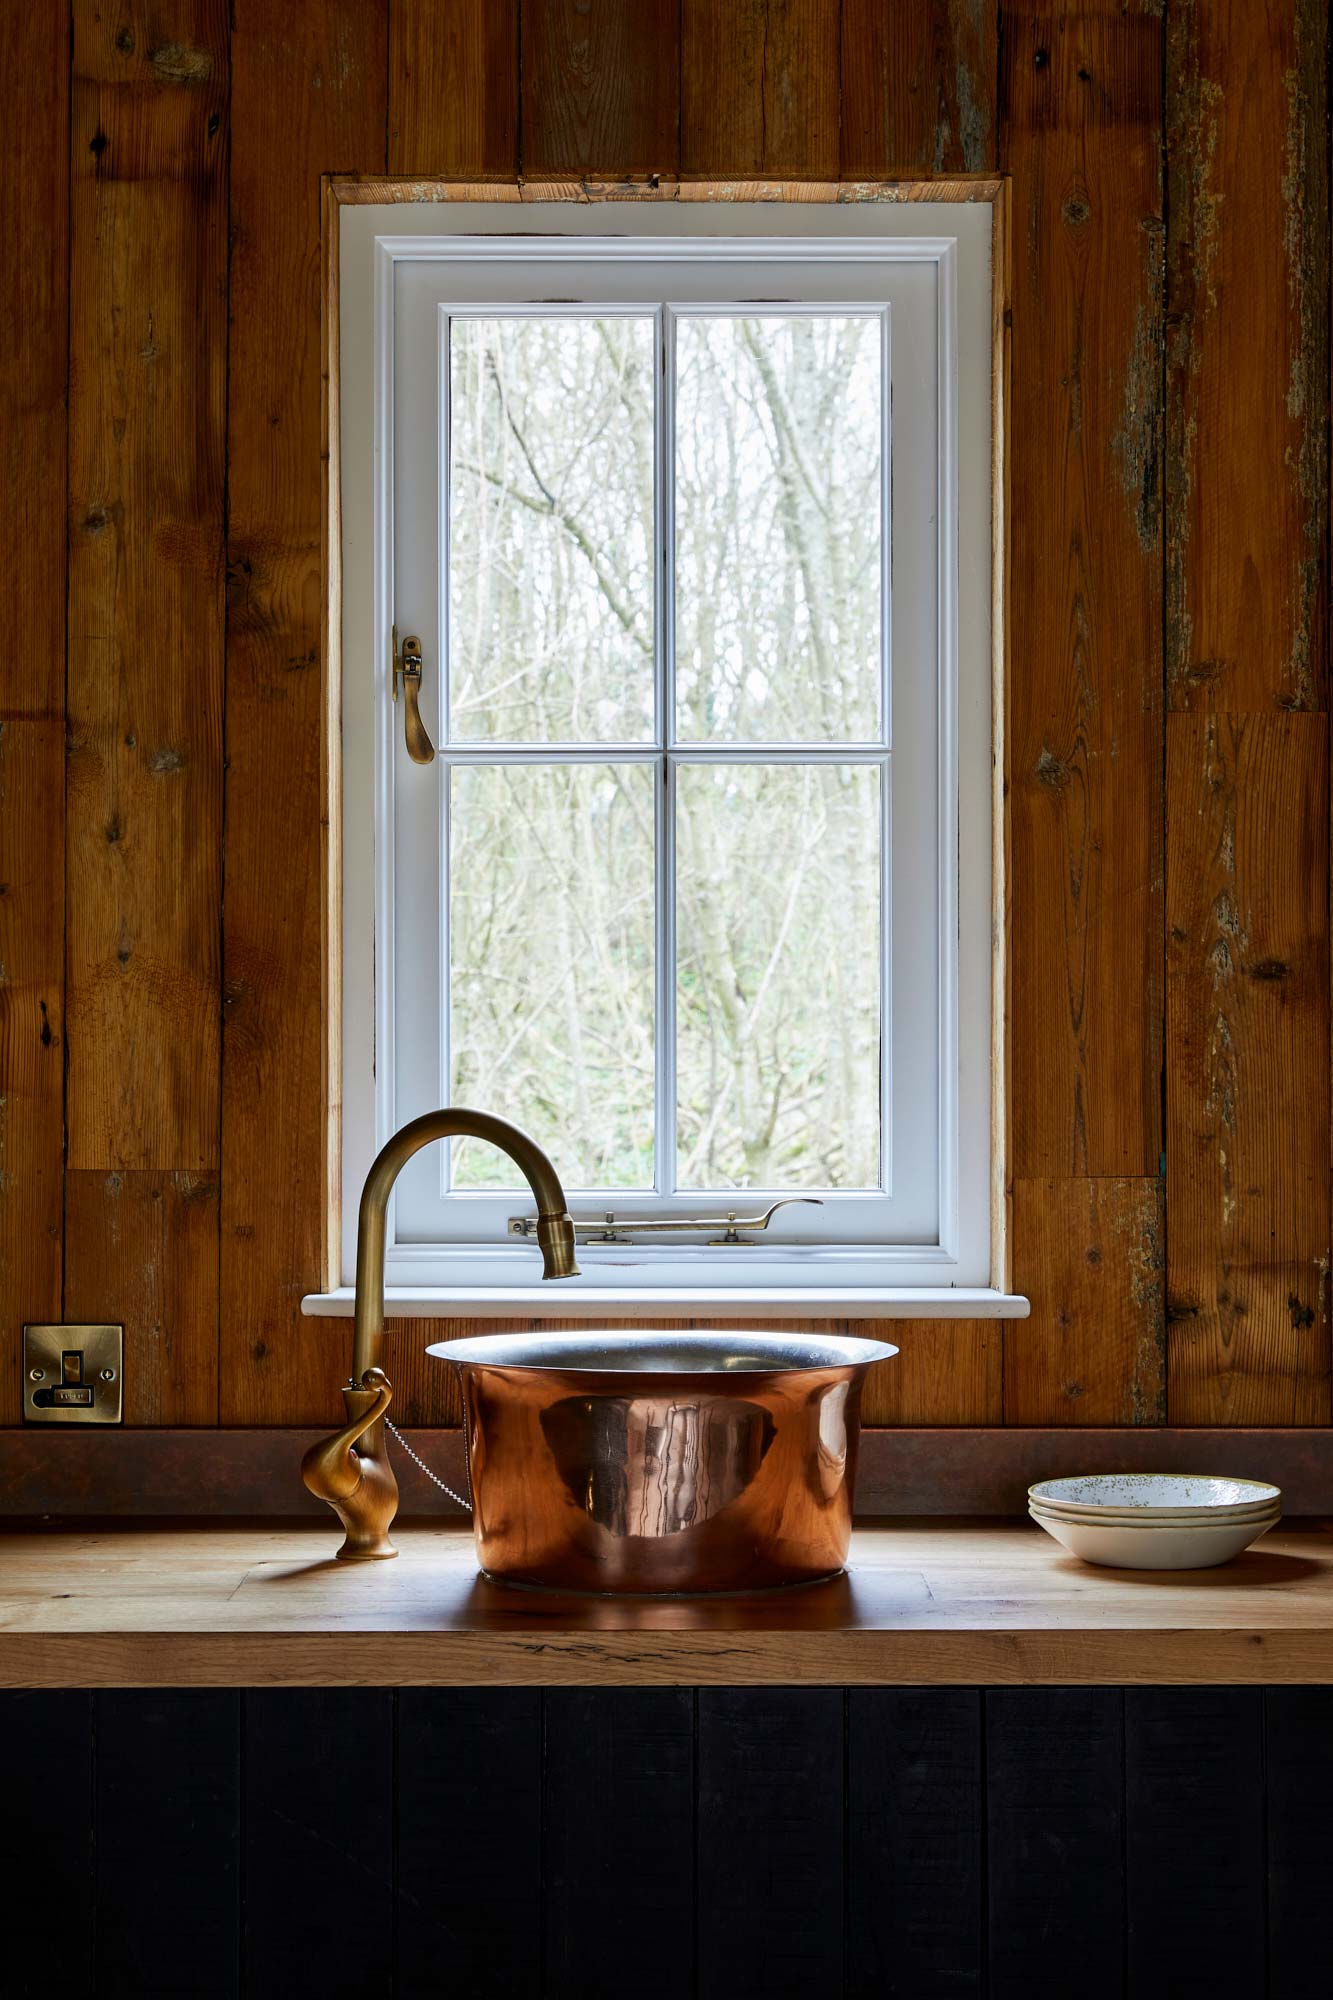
x=585 y=1301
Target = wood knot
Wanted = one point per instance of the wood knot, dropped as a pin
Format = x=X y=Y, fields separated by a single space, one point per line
x=175 y=63
x=1051 y=770
x=1269 y=969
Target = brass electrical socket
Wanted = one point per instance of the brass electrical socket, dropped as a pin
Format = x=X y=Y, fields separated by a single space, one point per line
x=73 y=1374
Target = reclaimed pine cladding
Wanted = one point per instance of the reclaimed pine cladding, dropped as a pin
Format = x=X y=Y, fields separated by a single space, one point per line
x=452 y=87
x=1081 y=120
x=1246 y=493
x=759 y=88
x=308 y=90
x=1169 y=522
x=1247 y=1032
x=598 y=99
x=34 y=205
x=144 y=779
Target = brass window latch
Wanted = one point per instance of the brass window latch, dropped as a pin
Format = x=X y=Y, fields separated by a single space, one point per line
x=624 y=1228
x=407 y=668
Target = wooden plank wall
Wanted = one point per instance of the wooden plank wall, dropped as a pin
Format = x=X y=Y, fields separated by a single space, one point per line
x=163 y=1138
x=1024 y=1843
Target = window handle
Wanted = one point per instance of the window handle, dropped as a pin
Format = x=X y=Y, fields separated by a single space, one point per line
x=407 y=668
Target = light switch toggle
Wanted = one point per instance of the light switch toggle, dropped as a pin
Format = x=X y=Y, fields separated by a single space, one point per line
x=72 y=1374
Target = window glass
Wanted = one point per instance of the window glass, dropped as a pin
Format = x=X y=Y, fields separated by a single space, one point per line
x=550 y=529
x=551 y=957
x=778 y=975
x=778 y=528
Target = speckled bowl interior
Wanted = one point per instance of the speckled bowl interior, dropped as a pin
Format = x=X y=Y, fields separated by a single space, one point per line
x=1177 y=1496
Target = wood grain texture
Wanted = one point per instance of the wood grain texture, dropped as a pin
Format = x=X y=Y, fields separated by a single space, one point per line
x=50 y=1762
x=1236 y=574
x=945 y=1372
x=619 y=1842
x=771 y=1777
x=144 y=1250
x=34 y=205
x=1094 y=1349
x=184 y=1830
x=1298 y=1772
x=1248 y=356
x=759 y=87
x=275 y=1107
x=453 y=87
x=175 y=1821
x=32 y=1038
x=1248 y=1057
x=1082 y=121
x=229 y=1475
x=468 y=1905
x=318 y=1814
x=601 y=87
x=1055 y=1884
x=1194 y=1843
x=950 y=1603
x=34 y=361
x=148 y=152
x=918 y=87
x=914 y=1843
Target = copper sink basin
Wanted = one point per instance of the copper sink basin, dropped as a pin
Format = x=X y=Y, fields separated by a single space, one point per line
x=645 y=1461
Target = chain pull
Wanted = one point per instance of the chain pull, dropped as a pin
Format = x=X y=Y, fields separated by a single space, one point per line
x=466 y=1505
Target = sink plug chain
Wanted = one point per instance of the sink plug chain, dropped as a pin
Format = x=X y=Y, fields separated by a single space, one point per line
x=466 y=1505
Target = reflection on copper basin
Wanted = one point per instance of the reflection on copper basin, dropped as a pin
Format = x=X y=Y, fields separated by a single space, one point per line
x=644 y=1461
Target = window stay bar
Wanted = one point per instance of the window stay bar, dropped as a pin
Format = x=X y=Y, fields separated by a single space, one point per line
x=612 y=1230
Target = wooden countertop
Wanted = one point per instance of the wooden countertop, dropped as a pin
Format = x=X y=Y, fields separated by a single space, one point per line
x=946 y=1601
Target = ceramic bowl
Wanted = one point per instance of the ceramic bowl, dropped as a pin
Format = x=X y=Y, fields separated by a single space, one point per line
x=1140 y=1545
x=1143 y=1517
x=1157 y=1496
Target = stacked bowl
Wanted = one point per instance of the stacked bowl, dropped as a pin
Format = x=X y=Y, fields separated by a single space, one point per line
x=1155 y=1520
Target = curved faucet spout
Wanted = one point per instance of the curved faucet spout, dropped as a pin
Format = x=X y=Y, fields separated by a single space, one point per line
x=555 y=1231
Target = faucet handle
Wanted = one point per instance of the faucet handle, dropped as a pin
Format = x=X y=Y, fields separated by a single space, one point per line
x=376 y=1379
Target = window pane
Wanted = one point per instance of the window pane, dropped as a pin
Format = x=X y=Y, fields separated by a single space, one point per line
x=551 y=525
x=551 y=966
x=778 y=530
x=778 y=963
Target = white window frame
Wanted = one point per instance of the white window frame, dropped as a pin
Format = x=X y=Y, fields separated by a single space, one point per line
x=959 y=1274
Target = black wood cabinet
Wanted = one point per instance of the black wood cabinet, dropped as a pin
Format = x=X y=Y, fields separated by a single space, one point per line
x=1024 y=1844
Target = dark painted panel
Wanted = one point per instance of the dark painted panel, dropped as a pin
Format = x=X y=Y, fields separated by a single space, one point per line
x=166 y=1841
x=914 y=1846
x=1053 y=1816
x=469 y=1842
x=1298 y=1745
x=1194 y=1843
x=318 y=1841
x=619 y=1843
x=770 y=1820
x=46 y=1833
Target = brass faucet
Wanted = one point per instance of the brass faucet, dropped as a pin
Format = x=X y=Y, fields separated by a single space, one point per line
x=351 y=1469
